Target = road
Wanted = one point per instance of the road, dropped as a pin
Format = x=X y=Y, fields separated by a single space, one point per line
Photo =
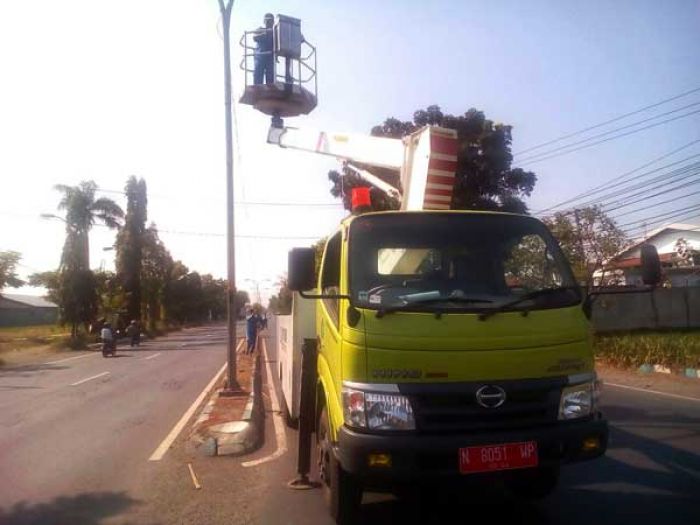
x=77 y=432
x=650 y=475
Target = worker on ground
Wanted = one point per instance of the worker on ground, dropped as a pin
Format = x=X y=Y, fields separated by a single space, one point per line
x=252 y=324
x=264 y=61
x=134 y=333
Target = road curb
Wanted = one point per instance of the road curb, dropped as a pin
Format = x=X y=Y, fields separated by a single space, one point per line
x=233 y=438
x=692 y=373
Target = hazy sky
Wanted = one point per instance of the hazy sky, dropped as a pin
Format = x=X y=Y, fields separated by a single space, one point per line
x=91 y=89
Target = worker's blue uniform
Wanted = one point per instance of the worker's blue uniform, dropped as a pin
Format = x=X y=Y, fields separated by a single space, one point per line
x=264 y=62
x=252 y=324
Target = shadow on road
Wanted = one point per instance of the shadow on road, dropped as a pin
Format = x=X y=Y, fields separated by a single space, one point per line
x=23 y=370
x=641 y=480
x=83 y=509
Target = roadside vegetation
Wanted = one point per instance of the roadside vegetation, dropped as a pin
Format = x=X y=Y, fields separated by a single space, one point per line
x=149 y=285
x=676 y=350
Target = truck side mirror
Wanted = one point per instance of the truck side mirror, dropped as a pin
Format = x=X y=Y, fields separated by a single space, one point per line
x=651 y=265
x=301 y=269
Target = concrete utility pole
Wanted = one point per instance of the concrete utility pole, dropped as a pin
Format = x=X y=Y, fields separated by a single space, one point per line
x=232 y=382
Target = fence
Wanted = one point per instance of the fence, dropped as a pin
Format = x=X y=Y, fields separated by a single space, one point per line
x=664 y=308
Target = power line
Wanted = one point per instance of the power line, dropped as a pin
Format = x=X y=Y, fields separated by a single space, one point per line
x=672 y=212
x=608 y=139
x=241 y=236
x=254 y=203
x=606 y=185
x=645 y=224
x=610 y=121
x=664 y=192
x=650 y=185
x=603 y=134
x=654 y=205
x=665 y=178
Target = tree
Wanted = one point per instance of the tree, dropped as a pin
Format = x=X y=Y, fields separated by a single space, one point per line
x=485 y=179
x=51 y=281
x=8 y=274
x=156 y=269
x=281 y=304
x=589 y=238
x=82 y=212
x=130 y=242
x=76 y=286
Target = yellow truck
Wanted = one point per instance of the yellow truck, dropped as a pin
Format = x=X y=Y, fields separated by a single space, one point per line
x=450 y=344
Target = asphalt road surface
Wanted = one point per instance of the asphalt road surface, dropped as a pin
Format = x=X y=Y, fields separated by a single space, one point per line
x=76 y=433
x=650 y=475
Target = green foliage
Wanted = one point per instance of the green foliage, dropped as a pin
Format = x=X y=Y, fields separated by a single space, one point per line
x=156 y=268
x=589 y=238
x=77 y=298
x=8 y=274
x=130 y=244
x=83 y=210
x=51 y=281
x=281 y=304
x=485 y=179
x=240 y=300
x=672 y=349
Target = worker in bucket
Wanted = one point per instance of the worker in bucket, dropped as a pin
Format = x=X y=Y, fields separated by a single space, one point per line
x=264 y=61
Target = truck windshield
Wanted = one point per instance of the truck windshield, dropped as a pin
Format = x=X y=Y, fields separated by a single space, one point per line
x=466 y=262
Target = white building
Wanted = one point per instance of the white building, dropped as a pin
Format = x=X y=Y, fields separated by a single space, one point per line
x=679 y=250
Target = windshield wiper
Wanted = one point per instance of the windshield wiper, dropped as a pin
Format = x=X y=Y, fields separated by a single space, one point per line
x=430 y=300
x=528 y=296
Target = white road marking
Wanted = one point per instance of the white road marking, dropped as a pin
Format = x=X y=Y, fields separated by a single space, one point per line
x=652 y=392
x=151 y=356
x=89 y=379
x=69 y=359
x=280 y=434
x=170 y=438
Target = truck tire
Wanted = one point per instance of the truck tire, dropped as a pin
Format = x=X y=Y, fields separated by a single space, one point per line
x=342 y=492
x=534 y=484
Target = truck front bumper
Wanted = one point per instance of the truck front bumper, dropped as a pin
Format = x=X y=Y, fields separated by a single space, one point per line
x=420 y=457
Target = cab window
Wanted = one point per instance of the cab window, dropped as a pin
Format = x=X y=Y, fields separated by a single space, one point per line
x=330 y=276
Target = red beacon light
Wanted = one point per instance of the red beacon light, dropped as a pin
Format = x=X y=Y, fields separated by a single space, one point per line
x=361 y=200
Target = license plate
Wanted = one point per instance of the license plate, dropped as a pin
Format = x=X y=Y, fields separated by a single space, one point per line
x=506 y=456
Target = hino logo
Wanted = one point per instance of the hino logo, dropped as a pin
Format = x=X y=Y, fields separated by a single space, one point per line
x=397 y=373
x=490 y=396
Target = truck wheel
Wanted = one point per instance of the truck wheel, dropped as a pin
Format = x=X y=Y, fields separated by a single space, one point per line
x=342 y=492
x=534 y=483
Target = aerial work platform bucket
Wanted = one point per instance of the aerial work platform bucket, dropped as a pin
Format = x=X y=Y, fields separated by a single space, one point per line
x=293 y=86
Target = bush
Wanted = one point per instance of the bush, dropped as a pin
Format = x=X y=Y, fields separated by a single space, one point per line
x=671 y=349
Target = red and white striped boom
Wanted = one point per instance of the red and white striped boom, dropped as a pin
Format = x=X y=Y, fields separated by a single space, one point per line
x=427 y=160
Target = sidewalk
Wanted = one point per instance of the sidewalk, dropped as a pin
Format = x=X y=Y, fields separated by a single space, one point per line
x=232 y=424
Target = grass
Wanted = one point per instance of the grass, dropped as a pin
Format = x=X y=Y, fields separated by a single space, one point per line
x=631 y=350
x=19 y=337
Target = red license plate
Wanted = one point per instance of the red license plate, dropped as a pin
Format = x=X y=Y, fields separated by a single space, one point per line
x=506 y=456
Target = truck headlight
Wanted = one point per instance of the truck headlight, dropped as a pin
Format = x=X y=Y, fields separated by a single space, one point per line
x=377 y=411
x=389 y=412
x=577 y=401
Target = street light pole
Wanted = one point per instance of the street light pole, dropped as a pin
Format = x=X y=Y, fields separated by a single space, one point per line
x=231 y=383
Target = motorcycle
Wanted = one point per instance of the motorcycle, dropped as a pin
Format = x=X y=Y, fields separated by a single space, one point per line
x=109 y=348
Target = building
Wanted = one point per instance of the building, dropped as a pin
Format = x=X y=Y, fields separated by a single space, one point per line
x=26 y=310
x=679 y=250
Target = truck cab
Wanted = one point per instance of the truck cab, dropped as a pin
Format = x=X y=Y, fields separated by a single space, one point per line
x=451 y=345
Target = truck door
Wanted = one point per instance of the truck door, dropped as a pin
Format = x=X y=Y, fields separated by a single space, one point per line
x=328 y=323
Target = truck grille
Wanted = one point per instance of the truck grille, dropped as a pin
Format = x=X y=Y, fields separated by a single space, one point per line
x=452 y=407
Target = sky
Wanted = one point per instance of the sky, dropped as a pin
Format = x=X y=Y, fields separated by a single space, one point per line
x=97 y=90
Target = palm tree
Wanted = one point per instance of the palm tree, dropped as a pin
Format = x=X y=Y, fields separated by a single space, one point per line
x=82 y=212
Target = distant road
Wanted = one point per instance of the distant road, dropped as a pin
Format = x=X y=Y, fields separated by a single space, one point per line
x=83 y=427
